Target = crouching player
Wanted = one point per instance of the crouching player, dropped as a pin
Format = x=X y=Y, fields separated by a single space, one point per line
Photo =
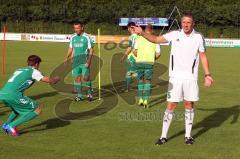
x=12 y=95
x=146 y=52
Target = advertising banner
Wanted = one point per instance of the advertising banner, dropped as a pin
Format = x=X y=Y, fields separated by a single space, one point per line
x=118 y=39
x=144 y=21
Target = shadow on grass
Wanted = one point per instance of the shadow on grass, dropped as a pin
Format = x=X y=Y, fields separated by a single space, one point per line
x=108 y=102
x=44 y=95
x=53 y=123
x=214 y=120
x=5 y=111
x=158 y=100
x=130 y=97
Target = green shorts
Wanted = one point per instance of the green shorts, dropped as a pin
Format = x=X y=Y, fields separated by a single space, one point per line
x=144 y=71
x=131 y=68
x=19 y=103
x=80 y=70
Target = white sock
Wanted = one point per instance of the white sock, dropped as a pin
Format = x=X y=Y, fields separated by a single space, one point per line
x=189 y=116
x=167 y=119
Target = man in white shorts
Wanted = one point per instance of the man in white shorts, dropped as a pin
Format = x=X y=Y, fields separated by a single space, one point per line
x=187 y=46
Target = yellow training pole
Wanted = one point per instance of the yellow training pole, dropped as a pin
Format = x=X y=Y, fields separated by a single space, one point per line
x=99 y=66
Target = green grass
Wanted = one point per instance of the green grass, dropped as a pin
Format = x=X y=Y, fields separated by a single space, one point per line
x=111 y=135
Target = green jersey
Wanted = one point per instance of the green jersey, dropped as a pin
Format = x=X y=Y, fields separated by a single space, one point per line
x=92 y=42
x=22 y=79
x=81 y=45
x=131 y=42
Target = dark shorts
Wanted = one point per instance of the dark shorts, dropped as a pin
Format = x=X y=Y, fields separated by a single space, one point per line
x=144 y=71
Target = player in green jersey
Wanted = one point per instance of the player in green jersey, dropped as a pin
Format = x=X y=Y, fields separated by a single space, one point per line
x=81 y=52
x=12 y=95
x=131 y=59
x=146 y=53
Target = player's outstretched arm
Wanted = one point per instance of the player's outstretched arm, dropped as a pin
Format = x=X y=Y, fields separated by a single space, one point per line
x=49 y=80
x=135 y=52
x=157 y=56
x=149 y=37
x=127 y=52
x=158 y=52
x=69 y=55
x=208 y=80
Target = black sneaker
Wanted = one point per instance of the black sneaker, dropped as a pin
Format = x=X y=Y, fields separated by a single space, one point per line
x=189 y=140
x=77 y=99
x=90 y=97
x=161 y=141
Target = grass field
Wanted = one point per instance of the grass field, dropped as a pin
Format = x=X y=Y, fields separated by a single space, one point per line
x=115 y=127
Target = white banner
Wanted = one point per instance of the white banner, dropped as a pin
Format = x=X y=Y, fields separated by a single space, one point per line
x=50 y=37
x=222 y=43
x=229 y=43
x=39 y=37
x=46 y=37
x=11 y=36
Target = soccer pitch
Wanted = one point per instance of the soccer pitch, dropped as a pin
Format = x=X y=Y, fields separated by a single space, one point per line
x=115 y=127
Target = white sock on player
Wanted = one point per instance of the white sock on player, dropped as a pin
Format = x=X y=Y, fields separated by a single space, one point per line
x=167 y=119
x=189 y=116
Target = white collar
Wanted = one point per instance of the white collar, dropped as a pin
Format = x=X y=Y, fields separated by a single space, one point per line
x=190 y=35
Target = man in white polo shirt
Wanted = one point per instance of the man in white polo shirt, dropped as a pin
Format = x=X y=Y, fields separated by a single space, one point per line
x=187 y=46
